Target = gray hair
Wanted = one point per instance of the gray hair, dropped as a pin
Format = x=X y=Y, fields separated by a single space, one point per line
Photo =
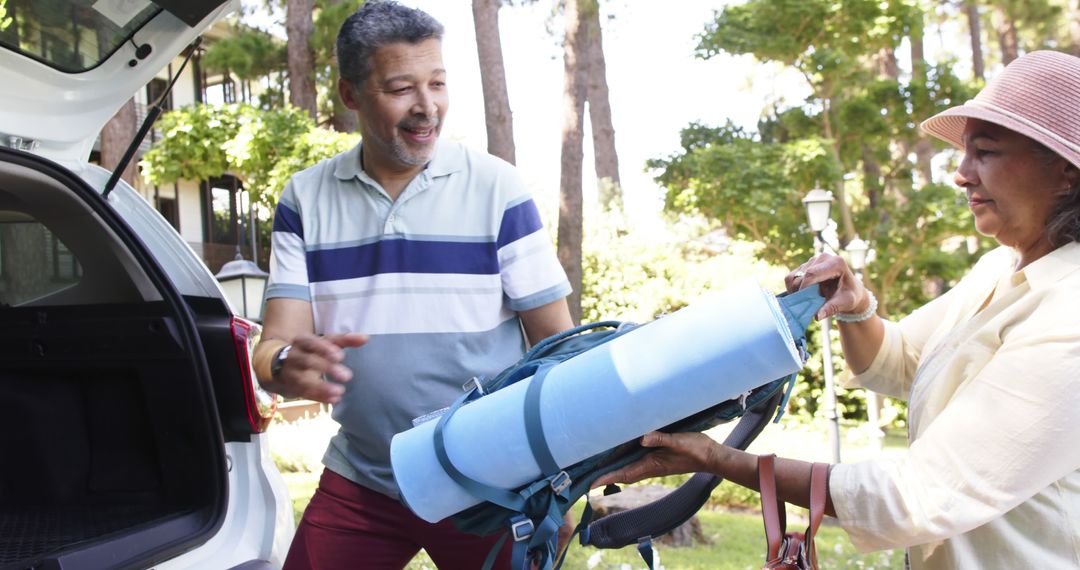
x=1063 y=224
x=376 y=24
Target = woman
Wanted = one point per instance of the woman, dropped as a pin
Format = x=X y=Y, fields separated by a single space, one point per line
x=991 y=369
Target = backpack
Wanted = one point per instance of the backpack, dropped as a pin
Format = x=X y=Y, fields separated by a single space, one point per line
x=532 y=514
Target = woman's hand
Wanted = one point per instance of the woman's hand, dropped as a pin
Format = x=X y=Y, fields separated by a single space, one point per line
x=676 y=453
x=844 y=293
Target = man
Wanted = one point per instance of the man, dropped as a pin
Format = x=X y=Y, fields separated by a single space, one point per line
x=400 y=269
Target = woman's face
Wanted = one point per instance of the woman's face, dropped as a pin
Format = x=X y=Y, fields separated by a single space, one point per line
x=1011 y=185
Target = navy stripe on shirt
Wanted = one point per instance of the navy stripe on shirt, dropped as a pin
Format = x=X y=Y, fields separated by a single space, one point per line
x=287 y=220
x=402 y=256
x=518 y=222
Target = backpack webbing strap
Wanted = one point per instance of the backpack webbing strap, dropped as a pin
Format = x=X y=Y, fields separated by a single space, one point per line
x=545 y=343
x=667 y=513
x=645 y=549
x=502 y=497
x=531 y=539
x=534 y=425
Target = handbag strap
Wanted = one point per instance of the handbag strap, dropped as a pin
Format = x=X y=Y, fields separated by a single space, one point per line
x=819 y=483
x=772 y=511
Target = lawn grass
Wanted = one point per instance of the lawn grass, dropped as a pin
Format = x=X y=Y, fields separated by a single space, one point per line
x=736 y=541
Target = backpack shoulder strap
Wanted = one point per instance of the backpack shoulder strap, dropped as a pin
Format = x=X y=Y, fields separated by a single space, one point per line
x=667 y=513
x=675 y=508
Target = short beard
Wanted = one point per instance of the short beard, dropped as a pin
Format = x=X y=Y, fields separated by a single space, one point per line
x=401 y=151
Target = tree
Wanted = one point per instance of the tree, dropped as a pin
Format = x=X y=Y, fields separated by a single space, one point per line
x=263 y=148
x=250 y=55
x=842 y=137
x=1074 y=27
x=301 y=60
x=1008 y=39
x=329 y=16
x=570 y=197
x=116 y=137
x=971 y=10
x=498 y=118
x=596 y=94
x=1024 y=25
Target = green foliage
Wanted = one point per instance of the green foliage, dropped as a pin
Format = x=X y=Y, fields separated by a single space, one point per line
x=5 y=20
x=248 y=53
x=635 y=272
x=751 y=187
x=849 y=130
x=821 y=38
x=855 y=136
x=262 y=147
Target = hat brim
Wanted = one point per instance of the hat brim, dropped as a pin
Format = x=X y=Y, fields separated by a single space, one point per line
x=949 y=125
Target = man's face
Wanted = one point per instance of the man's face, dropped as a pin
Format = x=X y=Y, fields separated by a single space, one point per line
x=401 y=105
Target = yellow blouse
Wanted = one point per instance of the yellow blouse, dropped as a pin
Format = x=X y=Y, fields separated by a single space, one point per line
x=991 y=478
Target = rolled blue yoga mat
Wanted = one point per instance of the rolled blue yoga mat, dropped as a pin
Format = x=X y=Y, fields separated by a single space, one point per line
x=722 y=345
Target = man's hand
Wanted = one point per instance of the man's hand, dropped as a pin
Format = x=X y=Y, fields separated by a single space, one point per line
x=313 y=368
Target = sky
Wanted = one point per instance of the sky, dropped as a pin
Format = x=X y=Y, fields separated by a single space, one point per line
x=657 y=87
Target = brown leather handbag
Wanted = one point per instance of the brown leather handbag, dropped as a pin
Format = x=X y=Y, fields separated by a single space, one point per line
x=790 y=550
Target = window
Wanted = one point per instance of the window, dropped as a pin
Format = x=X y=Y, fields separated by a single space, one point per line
x=155 y=89
x=33 y=262
x=168 y=209
x=73 y=35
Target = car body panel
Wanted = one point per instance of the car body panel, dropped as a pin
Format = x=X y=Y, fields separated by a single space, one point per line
x=58 y=115
x=253 y=530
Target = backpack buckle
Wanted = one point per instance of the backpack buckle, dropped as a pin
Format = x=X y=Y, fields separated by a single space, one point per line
x=474 y=383
x=522 y=528
x=560 y=482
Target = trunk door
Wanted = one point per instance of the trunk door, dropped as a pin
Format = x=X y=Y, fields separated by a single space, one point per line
x=75 y=63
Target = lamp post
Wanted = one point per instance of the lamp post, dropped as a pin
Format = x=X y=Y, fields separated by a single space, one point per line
x=244 y=284
x=818 y=204
x=859 y=255
x=242 y=280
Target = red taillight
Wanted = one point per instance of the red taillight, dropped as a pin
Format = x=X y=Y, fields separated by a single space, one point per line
x=261 y=405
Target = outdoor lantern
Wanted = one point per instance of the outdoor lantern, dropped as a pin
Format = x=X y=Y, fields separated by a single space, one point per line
x=858 y=249
x=818 y=203
x=244 y=284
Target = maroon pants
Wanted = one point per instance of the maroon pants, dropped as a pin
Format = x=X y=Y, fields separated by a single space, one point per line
x=348 y=526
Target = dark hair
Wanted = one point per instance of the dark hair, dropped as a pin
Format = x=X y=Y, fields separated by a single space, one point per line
x=1063 y=224
x=376 y=24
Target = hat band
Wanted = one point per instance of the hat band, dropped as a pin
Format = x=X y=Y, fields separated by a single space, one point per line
x=1043 y=130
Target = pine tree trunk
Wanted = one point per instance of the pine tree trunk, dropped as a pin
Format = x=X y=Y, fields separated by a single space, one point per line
x=342 y=119
x=603 y=129
x=301 y=59
x=570 y=201
x=499 y=119
x=1007 y=35
x=116 y=136
x=924 y=149
x=978 y=67
x=1074 y=27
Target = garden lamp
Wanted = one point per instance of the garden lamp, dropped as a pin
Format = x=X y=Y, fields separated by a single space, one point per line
x=244 y=284
x=818 y=204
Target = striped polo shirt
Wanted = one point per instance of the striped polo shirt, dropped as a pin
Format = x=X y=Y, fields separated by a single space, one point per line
x=436 y=278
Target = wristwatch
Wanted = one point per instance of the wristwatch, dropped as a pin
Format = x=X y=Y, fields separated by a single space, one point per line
x=279 y=360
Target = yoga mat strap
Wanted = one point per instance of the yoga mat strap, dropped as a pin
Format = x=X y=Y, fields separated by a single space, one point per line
x=501 y=497
x=534 y=426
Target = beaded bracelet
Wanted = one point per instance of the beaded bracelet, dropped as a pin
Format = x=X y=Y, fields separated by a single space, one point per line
x=860 y=317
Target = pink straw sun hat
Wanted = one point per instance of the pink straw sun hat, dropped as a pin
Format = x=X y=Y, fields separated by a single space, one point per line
x=1037 y=95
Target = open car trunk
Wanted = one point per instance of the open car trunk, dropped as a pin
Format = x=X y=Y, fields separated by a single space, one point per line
x=107 y=427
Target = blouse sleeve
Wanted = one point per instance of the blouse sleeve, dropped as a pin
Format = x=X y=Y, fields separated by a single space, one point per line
x=1007 y=434
x=893 y=368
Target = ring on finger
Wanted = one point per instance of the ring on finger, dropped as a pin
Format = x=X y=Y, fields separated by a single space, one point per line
x=799 y=274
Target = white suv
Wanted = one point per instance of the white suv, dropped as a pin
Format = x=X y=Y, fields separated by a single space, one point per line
x=130 y=420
